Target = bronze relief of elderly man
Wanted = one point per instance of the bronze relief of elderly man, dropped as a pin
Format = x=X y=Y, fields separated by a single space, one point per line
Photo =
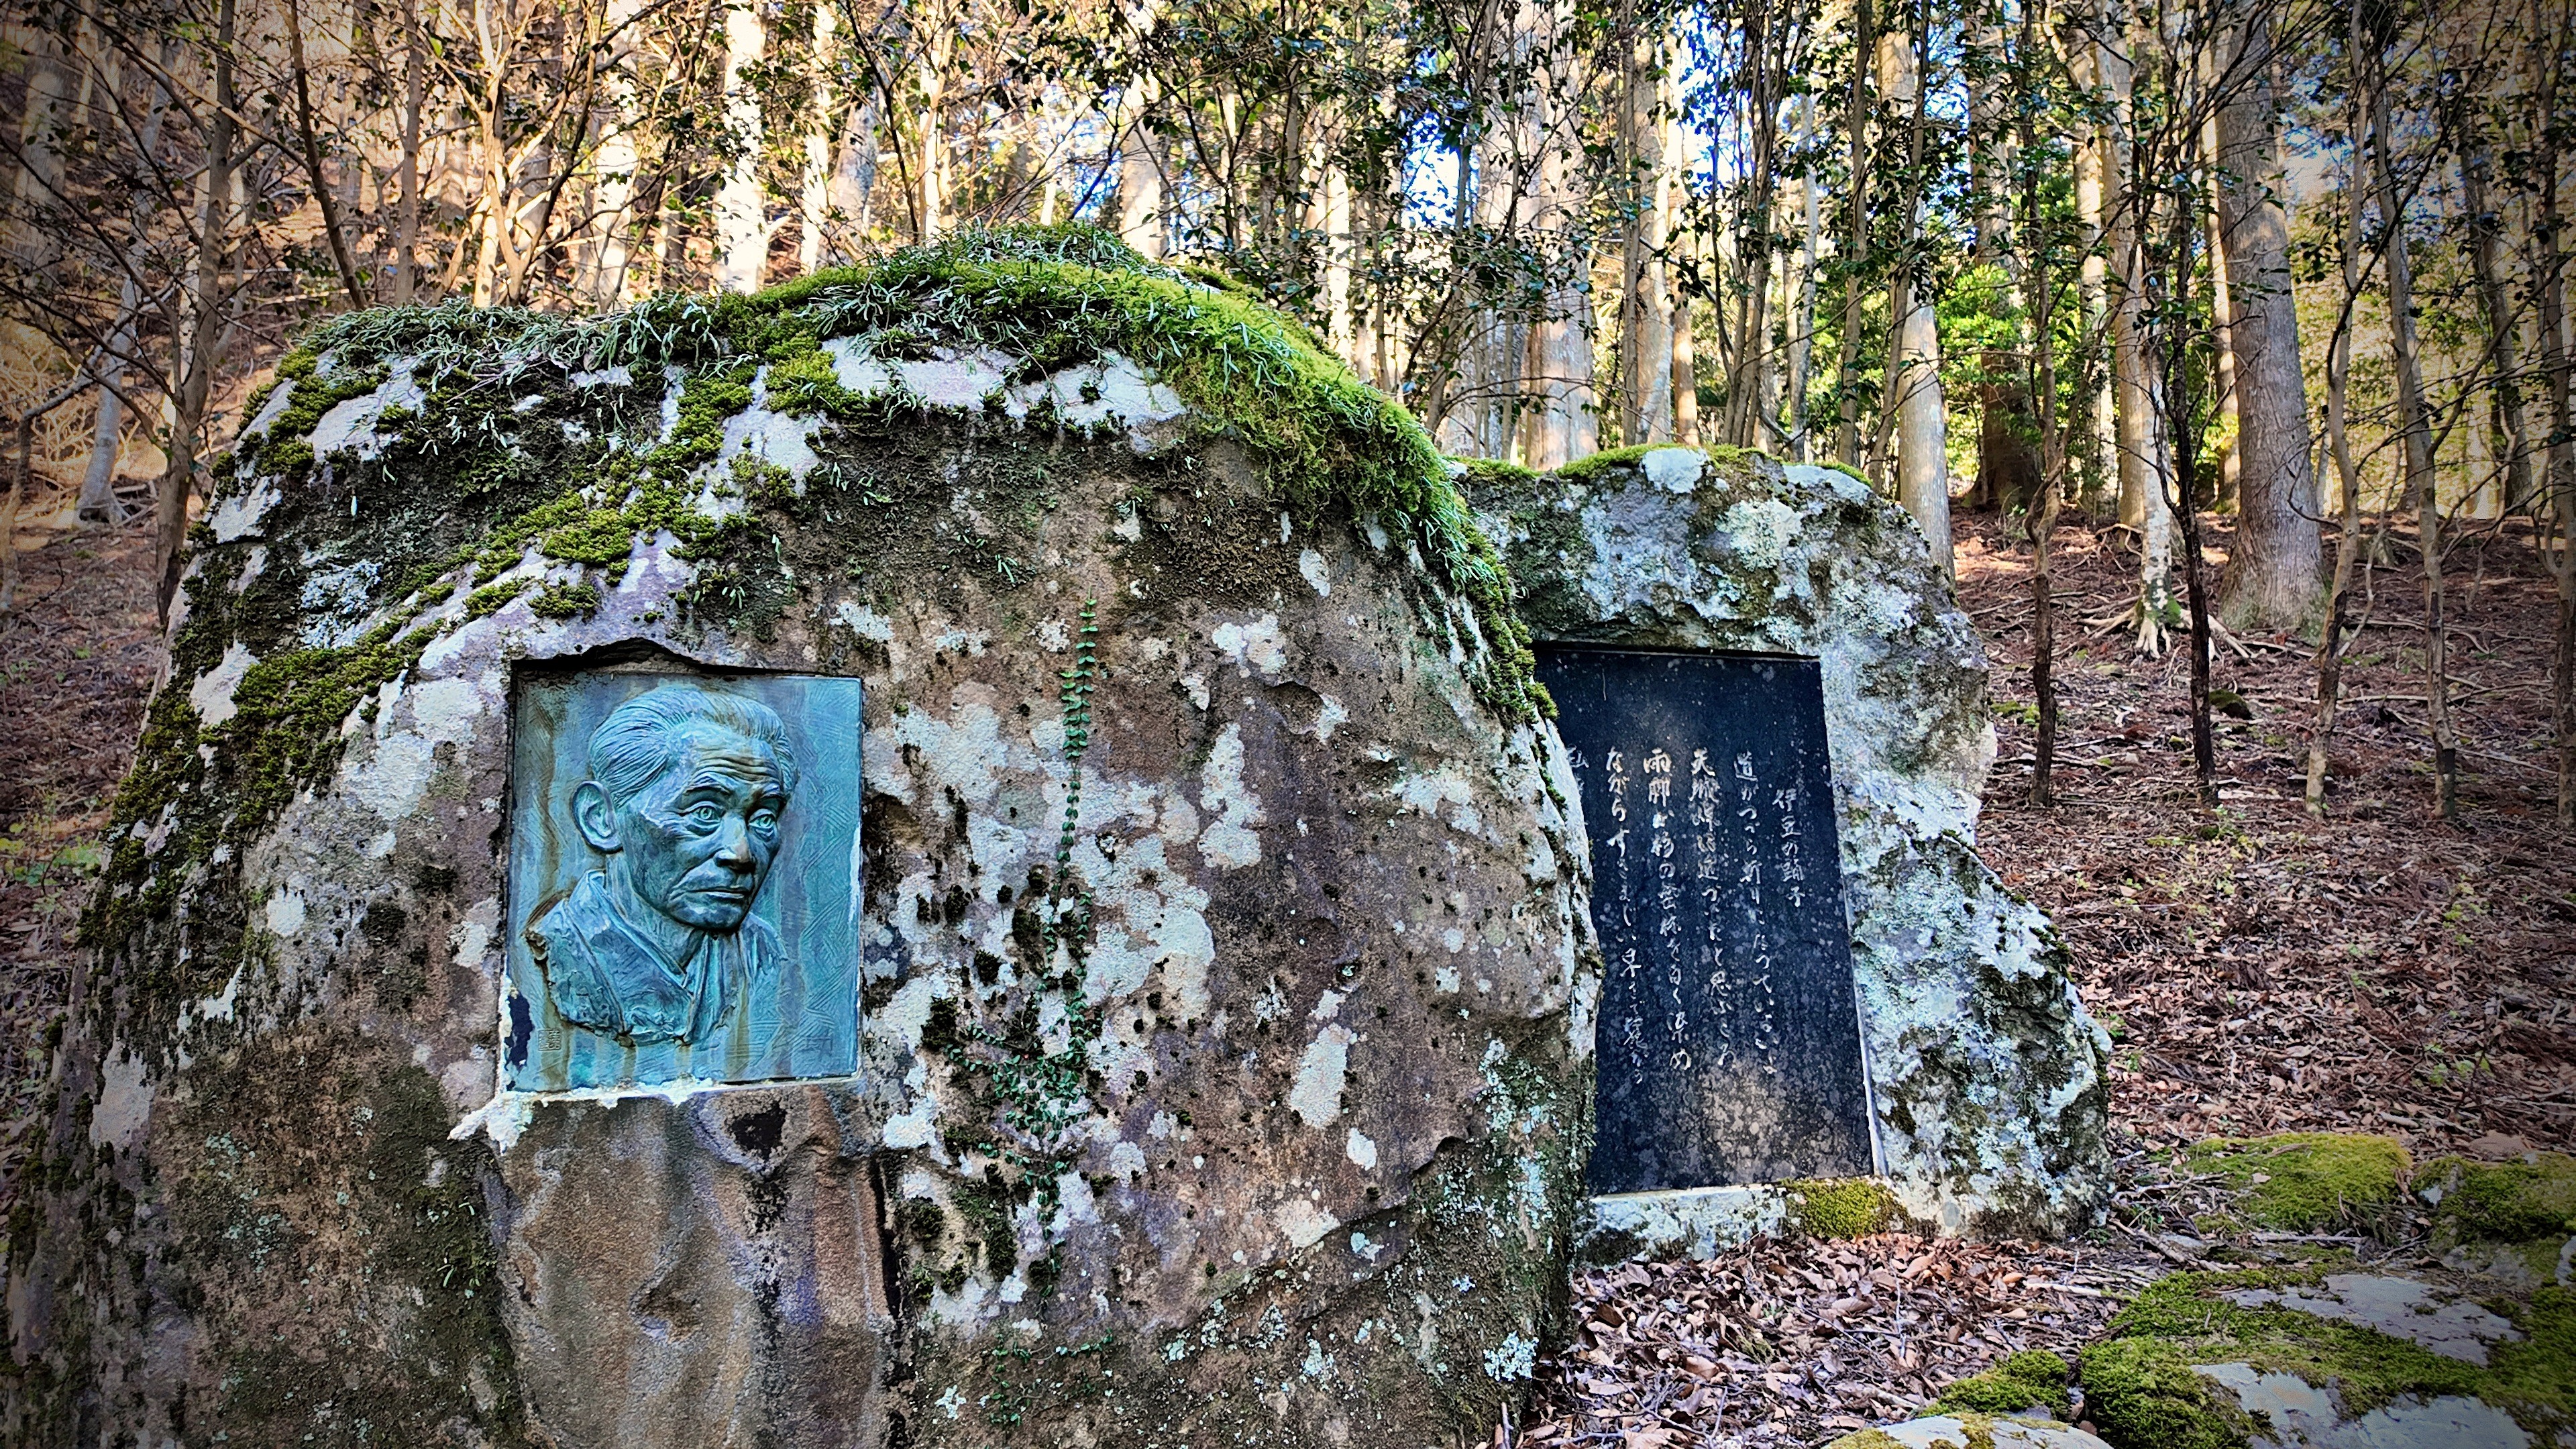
x=685 y=794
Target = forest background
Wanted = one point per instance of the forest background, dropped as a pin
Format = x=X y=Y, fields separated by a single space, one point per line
x=2234 y=334
x=2221 y=349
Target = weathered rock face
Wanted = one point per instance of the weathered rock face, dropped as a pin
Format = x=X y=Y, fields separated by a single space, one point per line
x=1987 y=1075
x=1224 y=1046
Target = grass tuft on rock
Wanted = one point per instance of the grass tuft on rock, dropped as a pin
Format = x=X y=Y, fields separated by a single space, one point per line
x=2305 y=1182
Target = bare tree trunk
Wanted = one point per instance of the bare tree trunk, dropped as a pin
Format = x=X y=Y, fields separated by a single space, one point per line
x=1857 y=114
x=312 y=149
x=1645 y=316
x=1564 y=417
x=2509 y=431
x=1802 y=320
x=1922 y=417
x=2043 y=512
x=196 y=372
x=2348 y=533
x=2272 y=573
x=2550 y=277
x=742 y=220
x=1140 y=179
x=98 y=502
x=2093 y=287
x=407 y=170
x=40 y=160
x=814 y=190
x=2415 y=436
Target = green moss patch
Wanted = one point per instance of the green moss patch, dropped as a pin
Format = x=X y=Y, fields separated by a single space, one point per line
x=2031 y=1379
x=2141 y=1393
x=1849 y=1207
x=2301 y=1182
x=2140 y=1390
x=2500 y=1202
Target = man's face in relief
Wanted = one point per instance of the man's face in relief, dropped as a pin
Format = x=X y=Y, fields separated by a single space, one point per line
x=696 y=842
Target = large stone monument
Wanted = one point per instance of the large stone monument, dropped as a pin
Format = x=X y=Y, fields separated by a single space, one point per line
x=1763 y=677
x=958 y=853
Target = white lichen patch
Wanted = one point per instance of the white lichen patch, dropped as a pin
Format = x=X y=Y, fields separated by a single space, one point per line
x=238 y=516
x=212 y=693
x=1763 y=529
x=1228 y=840
x=1302 y=1223
x=1318 y=573
x=1675 y=470
x=1109 y=392
x=1256 y=647
x=1323 y=1070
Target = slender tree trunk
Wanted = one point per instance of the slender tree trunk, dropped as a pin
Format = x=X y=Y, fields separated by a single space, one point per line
x=407 y=170
x=2550 y=276
x=2272 y=576
x=1856 y=237
x=312 y=150
x=2091 y=168
x=1802 y=321
x=2508 y=427
x=98 y=502
x=2348 y=532
x=1645 y=314
x=2043 y=511
x=206 y=309
x=814 y=191
x=39 y=183
x=2421 y=486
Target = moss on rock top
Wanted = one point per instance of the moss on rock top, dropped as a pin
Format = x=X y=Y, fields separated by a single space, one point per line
x=2300 y=1182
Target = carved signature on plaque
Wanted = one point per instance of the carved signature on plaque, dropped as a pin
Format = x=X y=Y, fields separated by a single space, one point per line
x=686 y=792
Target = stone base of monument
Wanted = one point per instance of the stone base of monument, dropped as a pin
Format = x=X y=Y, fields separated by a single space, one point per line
x=1761 y=676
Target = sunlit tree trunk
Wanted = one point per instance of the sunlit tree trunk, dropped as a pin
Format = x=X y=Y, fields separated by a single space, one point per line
x=48 y=102
x=98 y=502
x=2272 y=579
x=2348 y=530
x=2141 y=448
x=1564 y=413
x=1922 y=421
x=1140 y=175
x=407 y=168
x=2093 y=287
x=2549 y=270
x=1340 y=331
x=742 y=213
x=814 y=188
x=1645 y=313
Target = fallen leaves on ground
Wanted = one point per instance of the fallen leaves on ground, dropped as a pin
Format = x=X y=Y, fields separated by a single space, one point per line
x=1795 y=1342
x=2380 y=970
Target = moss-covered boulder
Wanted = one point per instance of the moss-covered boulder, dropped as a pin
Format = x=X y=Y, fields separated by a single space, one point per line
x=2328 y=1354
x=2514 y=1220
x=1987 y=1076
x=2310 y=1182
x=1224 y=974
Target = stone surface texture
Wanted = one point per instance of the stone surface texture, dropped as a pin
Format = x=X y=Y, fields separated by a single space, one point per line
x=1987 y=1073
x=1226 y=1047
x=1971 y=1431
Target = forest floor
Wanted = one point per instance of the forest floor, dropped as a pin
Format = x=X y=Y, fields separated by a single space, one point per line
x=2260 y=971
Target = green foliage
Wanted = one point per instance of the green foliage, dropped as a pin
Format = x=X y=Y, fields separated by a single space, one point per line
x=2302 y=1182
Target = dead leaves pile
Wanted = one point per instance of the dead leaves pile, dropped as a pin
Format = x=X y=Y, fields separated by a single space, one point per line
x=1795 y=1342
